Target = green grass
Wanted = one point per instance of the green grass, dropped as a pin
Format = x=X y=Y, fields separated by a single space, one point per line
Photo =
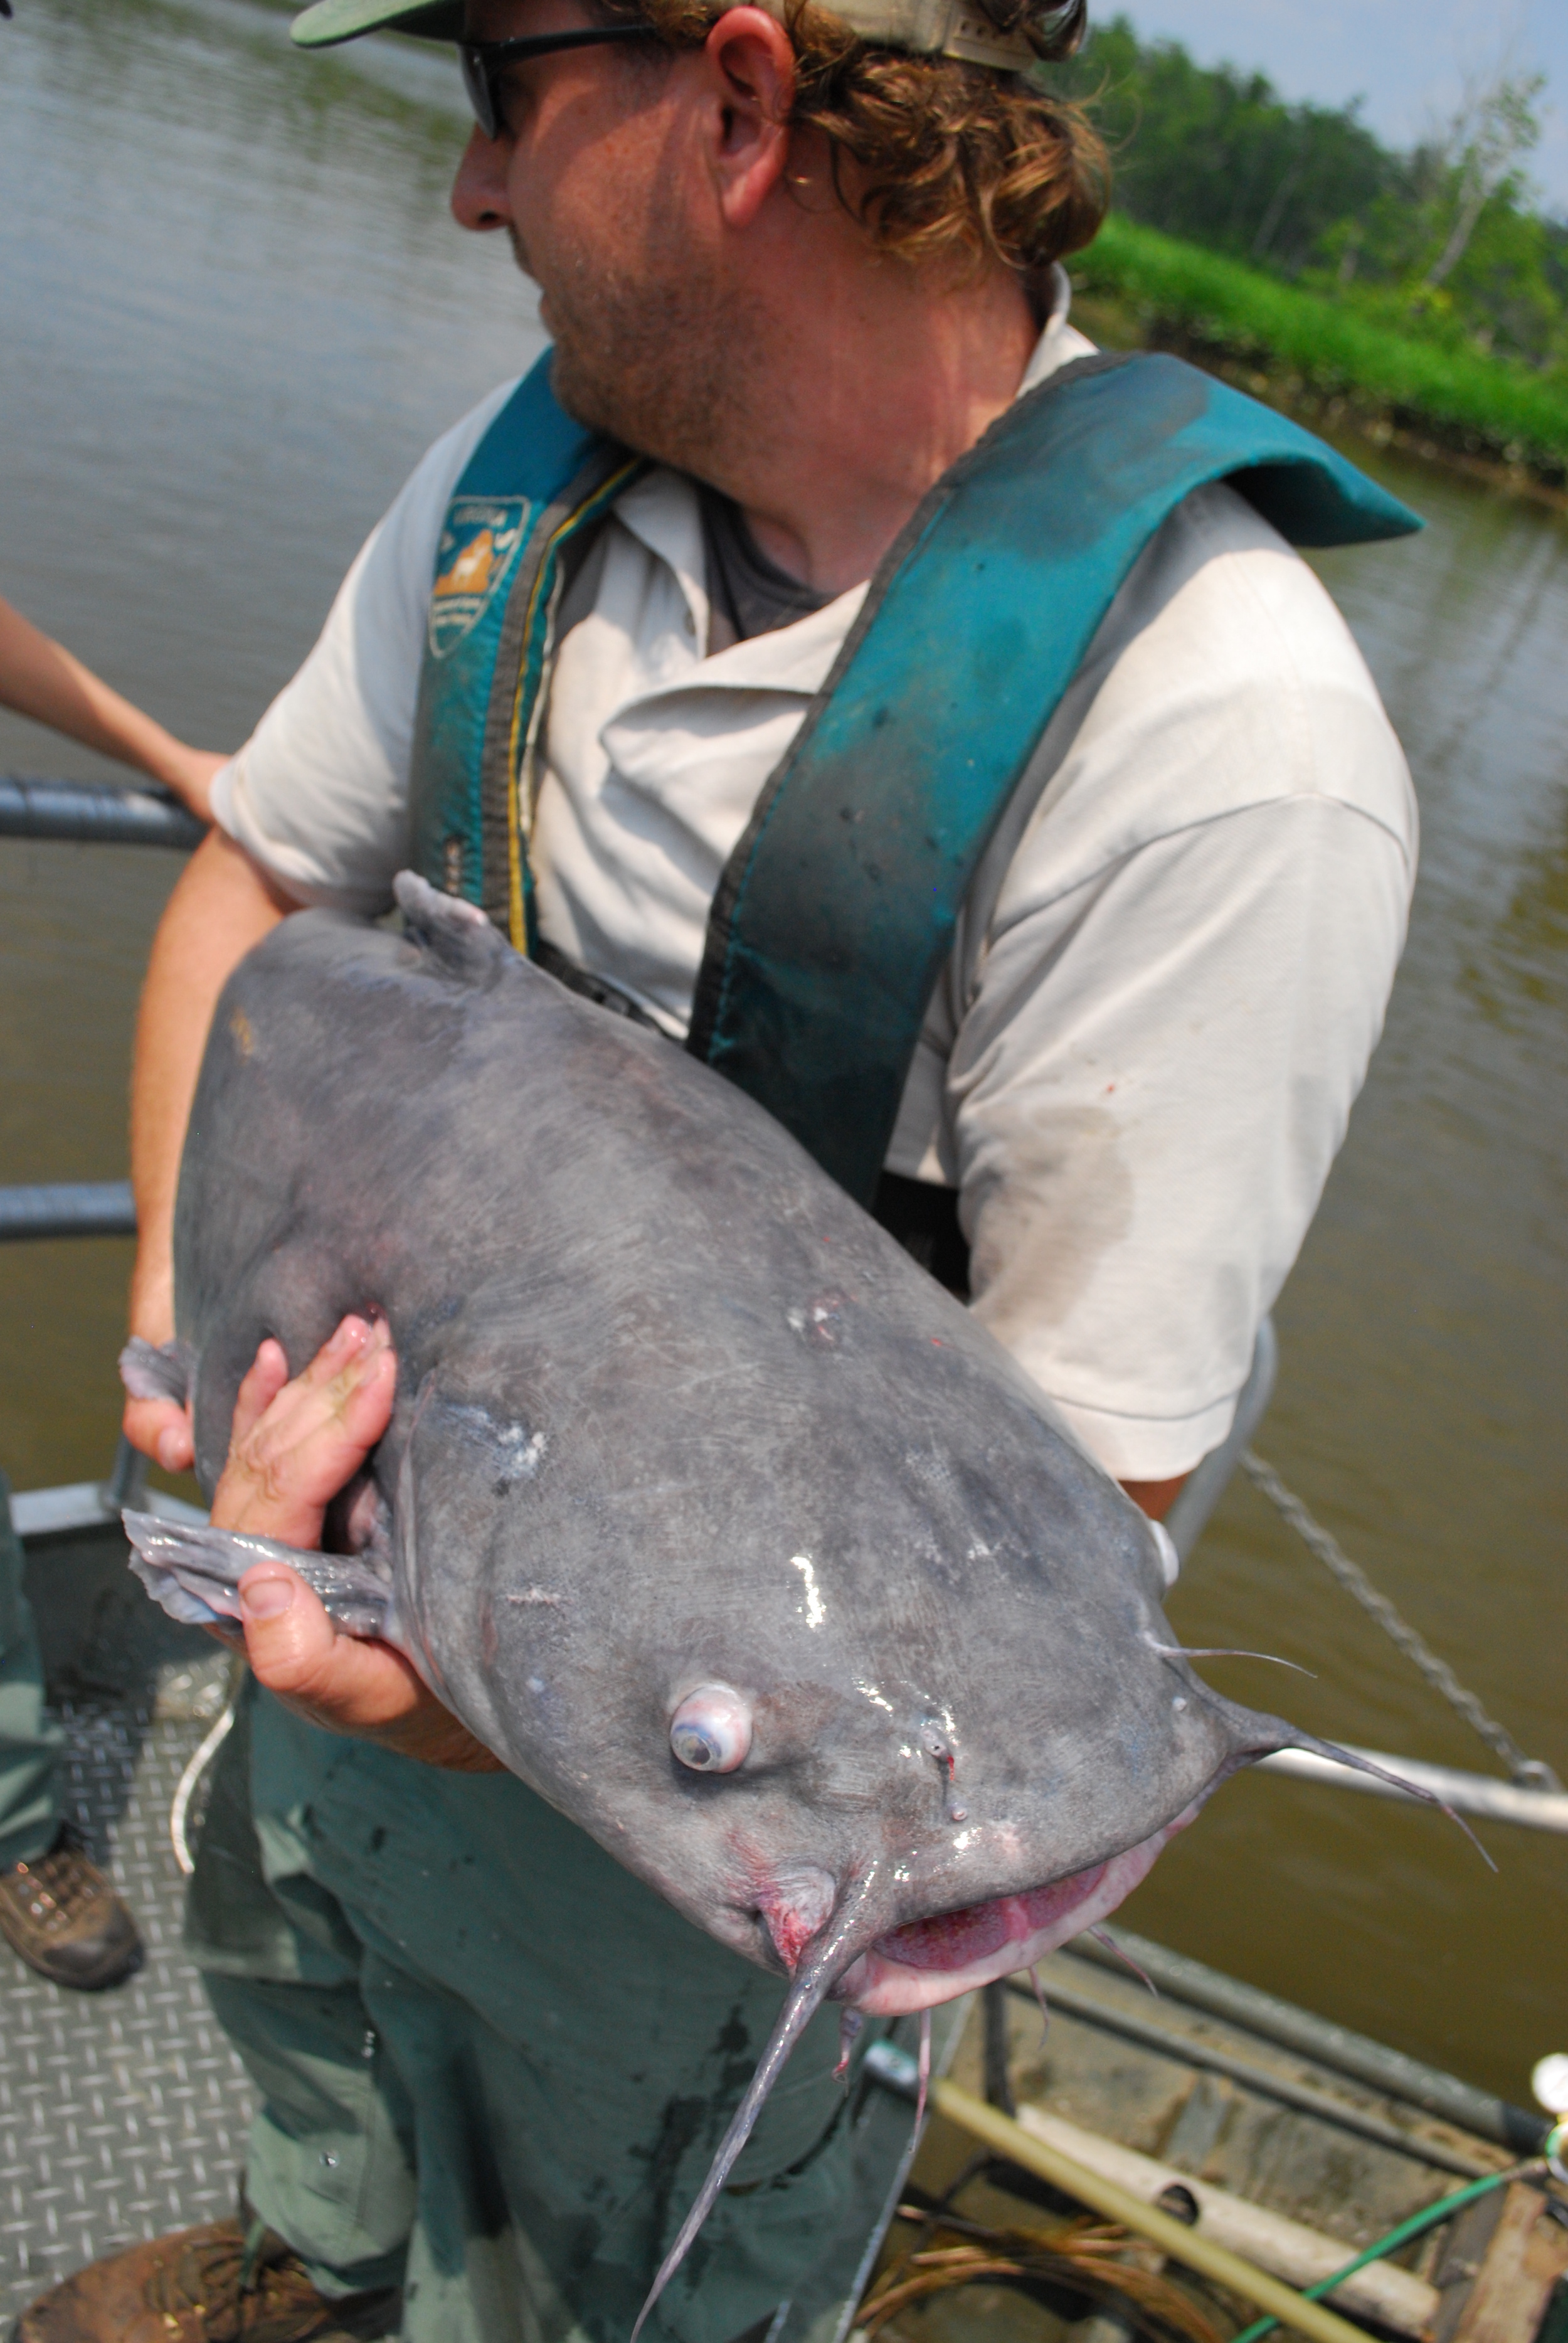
x=1483 y=406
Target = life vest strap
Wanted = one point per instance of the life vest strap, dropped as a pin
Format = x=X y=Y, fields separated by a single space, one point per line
x=837 y=910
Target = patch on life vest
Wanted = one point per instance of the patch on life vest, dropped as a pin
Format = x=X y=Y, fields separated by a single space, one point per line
x=480 y=545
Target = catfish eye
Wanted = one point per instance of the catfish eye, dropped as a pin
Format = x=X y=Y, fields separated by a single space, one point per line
x=712 y=1730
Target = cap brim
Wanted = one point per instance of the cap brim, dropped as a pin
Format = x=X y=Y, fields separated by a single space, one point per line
x=331 y=21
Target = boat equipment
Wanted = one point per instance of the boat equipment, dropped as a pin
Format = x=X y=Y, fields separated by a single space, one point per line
x=1283 y=2248
x=1416 y=2226
x=1151 y=2035
x=1392 y=2072
x=897 y=2069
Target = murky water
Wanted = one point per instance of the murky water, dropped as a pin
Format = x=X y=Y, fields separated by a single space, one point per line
x=233 y=310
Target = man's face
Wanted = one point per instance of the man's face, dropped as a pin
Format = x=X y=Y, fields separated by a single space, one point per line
x=599 y=180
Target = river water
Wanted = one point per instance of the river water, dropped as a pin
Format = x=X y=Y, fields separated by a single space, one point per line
x=233 y=311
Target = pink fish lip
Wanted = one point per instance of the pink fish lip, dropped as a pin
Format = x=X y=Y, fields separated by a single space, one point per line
x=934 y=1960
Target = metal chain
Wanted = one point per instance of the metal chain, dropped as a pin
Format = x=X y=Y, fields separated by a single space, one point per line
x=1530 y=1773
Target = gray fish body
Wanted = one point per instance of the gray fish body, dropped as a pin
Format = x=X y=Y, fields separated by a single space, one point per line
x=674 y=1413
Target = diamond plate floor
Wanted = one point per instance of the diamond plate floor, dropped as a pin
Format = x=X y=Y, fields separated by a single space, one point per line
x=122 y=2114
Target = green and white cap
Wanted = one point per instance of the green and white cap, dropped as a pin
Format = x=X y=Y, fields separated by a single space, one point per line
x=331 y=21
x=932 y=29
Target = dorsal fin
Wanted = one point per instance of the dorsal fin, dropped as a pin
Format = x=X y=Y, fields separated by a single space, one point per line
x=456 y=934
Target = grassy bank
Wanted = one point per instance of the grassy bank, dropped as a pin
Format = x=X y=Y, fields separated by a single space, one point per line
x=1318 y=349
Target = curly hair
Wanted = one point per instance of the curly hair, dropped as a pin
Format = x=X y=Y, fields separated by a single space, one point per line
x=948 y=160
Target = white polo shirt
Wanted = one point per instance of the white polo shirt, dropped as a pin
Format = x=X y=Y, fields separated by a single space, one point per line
x=1167 y=978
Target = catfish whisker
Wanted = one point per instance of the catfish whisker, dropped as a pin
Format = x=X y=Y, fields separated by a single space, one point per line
x=1103 y=1937
x=924 y=2069
x=823 y=1961
x=1223 y=1652
x=1360 y=1764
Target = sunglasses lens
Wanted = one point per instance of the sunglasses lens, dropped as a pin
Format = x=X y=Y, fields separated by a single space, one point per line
x=477 y=82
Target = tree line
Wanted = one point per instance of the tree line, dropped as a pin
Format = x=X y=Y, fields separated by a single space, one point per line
x=1444 y=239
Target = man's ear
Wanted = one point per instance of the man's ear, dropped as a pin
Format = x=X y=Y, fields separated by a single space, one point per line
x=751 y=66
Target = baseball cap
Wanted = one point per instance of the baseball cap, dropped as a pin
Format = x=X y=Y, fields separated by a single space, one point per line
x=944 y=28
x=331 y=21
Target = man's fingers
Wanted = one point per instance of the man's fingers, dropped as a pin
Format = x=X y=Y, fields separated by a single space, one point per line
x=311 y=1437
x=354 y=1340
x=345 y=1684
x=368 y=1409
x=267 y=1376
x=161 y=1428
x=337 y=1410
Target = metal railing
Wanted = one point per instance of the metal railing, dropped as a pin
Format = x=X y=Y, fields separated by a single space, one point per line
x=97 y=813
x=69 y=1208
x=86 y=813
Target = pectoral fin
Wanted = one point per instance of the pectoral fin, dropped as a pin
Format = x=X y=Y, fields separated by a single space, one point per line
x=157 y=1371
x=194 y=1571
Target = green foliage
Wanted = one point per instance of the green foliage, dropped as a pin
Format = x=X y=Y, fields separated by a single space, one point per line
x=1330 y=346
x=1440 y=244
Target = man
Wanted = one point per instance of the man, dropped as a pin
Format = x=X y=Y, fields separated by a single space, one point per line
x=59 y=1911
x=795 y=272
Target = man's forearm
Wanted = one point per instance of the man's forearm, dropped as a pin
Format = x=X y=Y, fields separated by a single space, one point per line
x=43 y=680
x=222 y=905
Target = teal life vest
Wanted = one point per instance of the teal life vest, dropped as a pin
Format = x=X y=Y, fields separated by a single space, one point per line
x=835 y=913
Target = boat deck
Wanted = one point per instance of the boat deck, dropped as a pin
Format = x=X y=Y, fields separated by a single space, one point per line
x=122 y=2114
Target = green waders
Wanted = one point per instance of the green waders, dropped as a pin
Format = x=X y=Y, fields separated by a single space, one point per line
x=495 y=2066
x=29 y=1743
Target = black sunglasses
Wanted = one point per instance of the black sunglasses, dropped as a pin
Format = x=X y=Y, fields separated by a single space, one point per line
x=483 y=62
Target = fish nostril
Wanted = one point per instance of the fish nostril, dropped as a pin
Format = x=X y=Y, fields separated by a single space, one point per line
x=710 y=1731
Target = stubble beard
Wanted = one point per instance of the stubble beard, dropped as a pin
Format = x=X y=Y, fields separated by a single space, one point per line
x=655 y=355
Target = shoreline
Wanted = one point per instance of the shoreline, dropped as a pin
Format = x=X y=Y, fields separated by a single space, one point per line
x=1299 y=351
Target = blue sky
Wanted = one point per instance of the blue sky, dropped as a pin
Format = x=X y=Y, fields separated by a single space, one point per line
x=1406 y=57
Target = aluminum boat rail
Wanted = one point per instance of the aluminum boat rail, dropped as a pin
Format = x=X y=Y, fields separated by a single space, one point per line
x=97 y=813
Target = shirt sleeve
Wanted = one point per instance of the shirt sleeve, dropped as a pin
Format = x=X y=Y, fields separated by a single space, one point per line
x=1142 y=1151
x=319 y=793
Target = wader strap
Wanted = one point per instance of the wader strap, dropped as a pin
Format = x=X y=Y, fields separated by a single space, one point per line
x=836 y=912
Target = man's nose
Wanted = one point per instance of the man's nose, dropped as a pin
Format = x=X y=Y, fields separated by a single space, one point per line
x=479 y=190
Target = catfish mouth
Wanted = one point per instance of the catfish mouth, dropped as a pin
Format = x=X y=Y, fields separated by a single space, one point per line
x=931 y=1961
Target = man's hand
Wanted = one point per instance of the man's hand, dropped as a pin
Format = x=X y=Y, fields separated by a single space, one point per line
x=294 y=1444
x=161 y=1428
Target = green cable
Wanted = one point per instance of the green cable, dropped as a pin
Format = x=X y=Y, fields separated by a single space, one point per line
x=1415 y=2228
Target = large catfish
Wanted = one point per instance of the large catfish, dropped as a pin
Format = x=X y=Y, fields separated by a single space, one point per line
x=711 y=1514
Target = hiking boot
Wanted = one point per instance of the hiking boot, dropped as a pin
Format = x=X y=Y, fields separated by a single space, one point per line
x=62 y=1916
x=231 y=2281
